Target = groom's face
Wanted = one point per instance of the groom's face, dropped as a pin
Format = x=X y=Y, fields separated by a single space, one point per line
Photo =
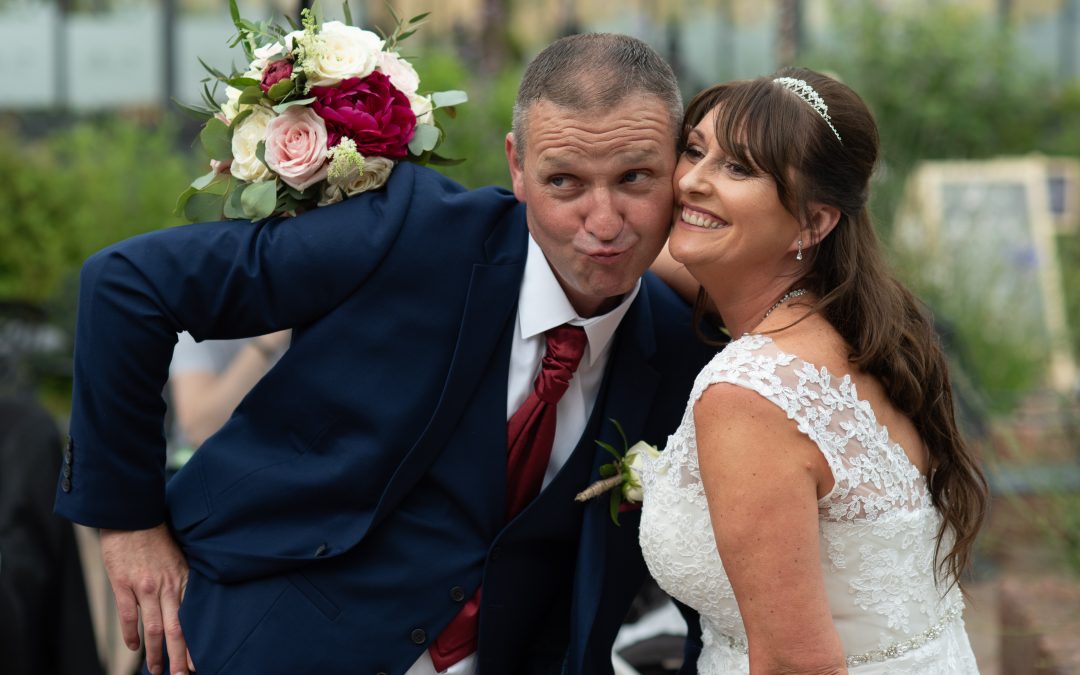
x=597 y=185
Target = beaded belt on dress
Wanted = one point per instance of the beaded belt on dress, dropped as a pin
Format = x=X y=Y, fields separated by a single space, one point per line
x=893 y=651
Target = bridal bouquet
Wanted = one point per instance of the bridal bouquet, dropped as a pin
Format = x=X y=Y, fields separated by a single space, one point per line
x=322 y=112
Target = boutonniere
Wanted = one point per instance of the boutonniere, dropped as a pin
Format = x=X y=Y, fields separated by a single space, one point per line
x=624 y=473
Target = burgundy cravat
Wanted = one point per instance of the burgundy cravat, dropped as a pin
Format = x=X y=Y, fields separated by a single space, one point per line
x=530 y=434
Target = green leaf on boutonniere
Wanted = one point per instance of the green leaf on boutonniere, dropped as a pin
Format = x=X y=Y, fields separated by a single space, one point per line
x=259 y=199
x=438 y=160
x=216 y=139
x=608 y=470
x=613 y=505
x=611 y=450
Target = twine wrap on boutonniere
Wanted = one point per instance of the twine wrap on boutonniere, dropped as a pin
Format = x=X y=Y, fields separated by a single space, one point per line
x=623 y=473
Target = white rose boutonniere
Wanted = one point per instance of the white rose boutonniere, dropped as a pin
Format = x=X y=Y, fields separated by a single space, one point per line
x=623 y=473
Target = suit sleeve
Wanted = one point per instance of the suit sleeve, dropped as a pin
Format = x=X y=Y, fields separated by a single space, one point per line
x=215 y=280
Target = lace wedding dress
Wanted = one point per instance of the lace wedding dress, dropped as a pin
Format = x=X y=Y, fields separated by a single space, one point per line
x=877 y=527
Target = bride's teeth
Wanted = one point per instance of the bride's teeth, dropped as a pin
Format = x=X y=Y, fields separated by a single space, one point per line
x=698 y=219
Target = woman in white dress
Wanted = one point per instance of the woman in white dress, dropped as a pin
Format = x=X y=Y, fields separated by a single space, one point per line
x=817 y=506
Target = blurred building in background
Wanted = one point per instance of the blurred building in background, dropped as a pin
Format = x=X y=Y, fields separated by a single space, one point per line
x=86 y=55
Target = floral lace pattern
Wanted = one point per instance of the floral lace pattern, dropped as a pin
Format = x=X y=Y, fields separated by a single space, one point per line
x=877 y=526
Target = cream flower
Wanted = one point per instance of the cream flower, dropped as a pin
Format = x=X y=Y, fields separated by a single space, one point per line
x=245 y=141
x=422 y=108
x=339 y=52
x=374 y=175
x=634 y=461
x=401 y=73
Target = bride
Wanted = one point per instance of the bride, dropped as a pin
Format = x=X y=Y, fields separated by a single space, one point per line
x=820 y=444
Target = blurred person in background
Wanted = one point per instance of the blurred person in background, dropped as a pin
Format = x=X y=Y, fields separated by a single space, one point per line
x=207 y=380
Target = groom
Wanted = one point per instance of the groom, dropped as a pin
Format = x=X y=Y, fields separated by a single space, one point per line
x=372 y=504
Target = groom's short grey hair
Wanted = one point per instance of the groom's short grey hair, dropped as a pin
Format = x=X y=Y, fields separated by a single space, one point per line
x=595 y=72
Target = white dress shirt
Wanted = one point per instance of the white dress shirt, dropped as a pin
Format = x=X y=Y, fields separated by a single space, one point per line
x=542 y=305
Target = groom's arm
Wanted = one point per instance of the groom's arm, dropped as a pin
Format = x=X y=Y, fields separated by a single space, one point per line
x=215 y=280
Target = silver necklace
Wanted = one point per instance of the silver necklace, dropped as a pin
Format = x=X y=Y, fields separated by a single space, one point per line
x=787 y=296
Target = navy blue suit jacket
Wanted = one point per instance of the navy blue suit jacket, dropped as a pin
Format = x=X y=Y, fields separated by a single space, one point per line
x=358 y=492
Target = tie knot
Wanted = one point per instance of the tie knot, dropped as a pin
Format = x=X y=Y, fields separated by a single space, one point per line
x=565 y=346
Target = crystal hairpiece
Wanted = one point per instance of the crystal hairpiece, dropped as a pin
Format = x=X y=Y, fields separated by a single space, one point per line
x=808 y=94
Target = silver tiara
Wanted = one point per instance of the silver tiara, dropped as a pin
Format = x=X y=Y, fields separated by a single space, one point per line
x=807 y=93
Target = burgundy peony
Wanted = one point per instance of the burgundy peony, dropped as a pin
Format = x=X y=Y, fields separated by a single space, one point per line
x=371 y=111
x=275 y=72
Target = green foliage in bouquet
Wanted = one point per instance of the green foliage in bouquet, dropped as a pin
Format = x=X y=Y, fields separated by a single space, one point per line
x=323 y=112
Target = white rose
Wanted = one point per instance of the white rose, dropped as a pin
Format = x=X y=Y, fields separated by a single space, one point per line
x=376 y=172
x=401 y=73
x=422 y=108
x=635 y=459
x=291 y=39
x=245 y=140
x=263 y=54
x=231 y=107
x=340 y=52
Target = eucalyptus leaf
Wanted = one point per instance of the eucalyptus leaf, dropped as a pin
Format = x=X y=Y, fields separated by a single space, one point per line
x=195 y=111
x=204 y=207
x=436 y=159
x=425 y=138
x=216 y=139
x=213 y=71
x=233 y=208
x=251 y=95
x=182 y=200
x=243 y=82
x=281 y=107
x=235 y=124
x=203 y=181
x=607 y=470
x=281 y=89
x=259 y=199
x=260 y=151
x=443 y=99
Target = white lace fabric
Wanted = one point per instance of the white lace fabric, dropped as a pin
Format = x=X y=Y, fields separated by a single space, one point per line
x=877 y=527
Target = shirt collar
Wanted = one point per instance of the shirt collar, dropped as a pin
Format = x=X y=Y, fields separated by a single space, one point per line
x=542 y=305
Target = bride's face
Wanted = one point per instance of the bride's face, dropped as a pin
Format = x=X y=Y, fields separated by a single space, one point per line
x=728 y=216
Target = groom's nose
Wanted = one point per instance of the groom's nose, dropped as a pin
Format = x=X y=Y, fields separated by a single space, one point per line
x=603 y=218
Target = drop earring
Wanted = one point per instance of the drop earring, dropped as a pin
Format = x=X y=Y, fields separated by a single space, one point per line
x=798 y=255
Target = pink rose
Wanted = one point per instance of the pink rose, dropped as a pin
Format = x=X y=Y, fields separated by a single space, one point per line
x=371 y=111
x=296 y=147
x=275 y=72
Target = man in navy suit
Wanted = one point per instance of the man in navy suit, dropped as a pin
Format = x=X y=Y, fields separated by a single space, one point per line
x=356 y=501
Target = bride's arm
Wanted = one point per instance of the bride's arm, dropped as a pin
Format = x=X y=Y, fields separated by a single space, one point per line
x=762 y=479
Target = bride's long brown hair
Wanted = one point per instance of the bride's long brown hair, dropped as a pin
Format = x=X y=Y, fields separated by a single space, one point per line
x=765 y=125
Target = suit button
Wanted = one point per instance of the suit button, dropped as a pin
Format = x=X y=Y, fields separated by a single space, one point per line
x=419 y=636
x=457 y=593
x=65 y=485
x=321 y=551
x=67 y=471
x=381 y=672
x=67 y=457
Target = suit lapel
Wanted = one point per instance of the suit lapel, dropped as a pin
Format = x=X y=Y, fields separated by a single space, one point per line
x=489 y=312
x=629 y=387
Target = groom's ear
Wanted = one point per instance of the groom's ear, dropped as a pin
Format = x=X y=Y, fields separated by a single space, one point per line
x=517 y=174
